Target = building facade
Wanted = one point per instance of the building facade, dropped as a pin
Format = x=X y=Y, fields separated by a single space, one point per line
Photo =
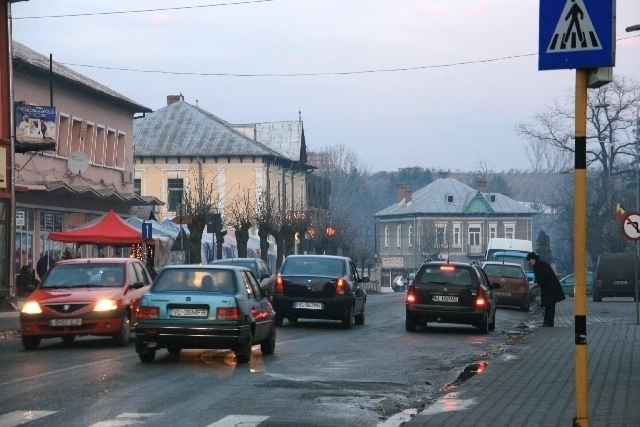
x=445 y=220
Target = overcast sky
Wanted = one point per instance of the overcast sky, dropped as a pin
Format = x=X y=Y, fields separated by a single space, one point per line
x=449 y=118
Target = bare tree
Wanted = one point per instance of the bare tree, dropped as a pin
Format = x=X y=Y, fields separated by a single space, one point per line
x=241 y=214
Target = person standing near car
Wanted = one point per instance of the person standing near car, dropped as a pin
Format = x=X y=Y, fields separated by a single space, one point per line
x=550 y=289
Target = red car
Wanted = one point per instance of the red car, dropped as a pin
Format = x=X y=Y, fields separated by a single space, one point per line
x=514 y=290
x=85 y=296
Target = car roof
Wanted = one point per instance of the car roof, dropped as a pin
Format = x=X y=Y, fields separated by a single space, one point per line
x=205 y=266
x=232 y=260
x=513 y=264
x=94 y=261
x=342 y=258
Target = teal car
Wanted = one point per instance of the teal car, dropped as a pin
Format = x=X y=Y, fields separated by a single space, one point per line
x=568 y=283
x=205 y=307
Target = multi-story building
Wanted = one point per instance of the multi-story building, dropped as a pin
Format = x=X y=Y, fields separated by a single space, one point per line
x=445 y=220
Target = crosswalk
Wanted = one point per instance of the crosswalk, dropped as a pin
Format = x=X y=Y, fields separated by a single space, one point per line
x=22 y=418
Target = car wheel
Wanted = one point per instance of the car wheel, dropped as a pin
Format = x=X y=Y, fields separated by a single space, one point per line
x=492 y=325
x=410 y=324
x=292 y=319
x=596 y=297
x=268 y=346
x=147 y=355
x=278 y=320
x=483 y=327
x=122 y=337
x=243 y=352
x=526 y=306
x=30 y=343
x=68 y=339
x=174 y=349
x=359 y=319
x=347 y=320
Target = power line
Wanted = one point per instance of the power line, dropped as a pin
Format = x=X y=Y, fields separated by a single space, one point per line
x=329 y=73
x=143 y=10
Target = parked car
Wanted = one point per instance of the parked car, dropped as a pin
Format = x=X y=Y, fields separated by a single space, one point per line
x=514 y=286
x=451 y=292
x=258 y=267
x=85 y=296
x=320 y=287
x=205 y=306
x=399 y=284
x=568 y=284
x=615 y=276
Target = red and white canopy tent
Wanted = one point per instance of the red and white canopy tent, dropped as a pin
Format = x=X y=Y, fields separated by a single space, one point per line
x=109 y=230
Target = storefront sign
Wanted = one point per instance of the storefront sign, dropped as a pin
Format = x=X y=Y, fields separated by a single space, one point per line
x=19 y=218
x=35 y=124
x=392 y=262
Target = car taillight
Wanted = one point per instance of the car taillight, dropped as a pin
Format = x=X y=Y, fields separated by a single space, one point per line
x=411 y=295
x=148 y=312
x=341 y=287
x=228 y=313
x=481 y=300
x=279 y=286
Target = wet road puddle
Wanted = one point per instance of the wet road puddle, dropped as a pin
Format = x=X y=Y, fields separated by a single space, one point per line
x=449 y=402
x=468 y=372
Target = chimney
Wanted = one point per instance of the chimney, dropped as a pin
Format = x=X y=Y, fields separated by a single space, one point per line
x=482 y=186
x=174 y=98
x=444 y=174
x=407 y=196
x=400 y=190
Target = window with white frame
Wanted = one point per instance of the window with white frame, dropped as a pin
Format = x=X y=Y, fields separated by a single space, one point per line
x=399 y=236
x=509 y=230
x=386 y=237
x=474 y=235
x=493 y=230
x=410 y=236
x=441 y=233
x=175 y=189
x=456 y=235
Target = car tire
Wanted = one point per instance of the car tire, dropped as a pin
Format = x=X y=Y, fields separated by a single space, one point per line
x=292 y=319
x=359 y=318
x=410 y=324
x=492 y=324
x=147 y=355
x=243 y=351
x=596 y=297
x=68 y=339
x=174 y=349
x=268 y=346
x=483 y=327
x=527 y=306
x=30 y=343
x=278 y=320
x=121 y=339
x=347 y=320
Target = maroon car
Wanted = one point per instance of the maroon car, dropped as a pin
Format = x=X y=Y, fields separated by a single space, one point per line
x=514 y=287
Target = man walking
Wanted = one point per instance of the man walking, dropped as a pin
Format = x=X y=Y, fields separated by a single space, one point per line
x=550 y=290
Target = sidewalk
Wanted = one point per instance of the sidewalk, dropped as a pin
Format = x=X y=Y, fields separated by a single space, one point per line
x=533 y=383
x=9 y=320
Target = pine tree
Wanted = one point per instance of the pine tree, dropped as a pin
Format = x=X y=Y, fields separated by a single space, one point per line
x=543 y=247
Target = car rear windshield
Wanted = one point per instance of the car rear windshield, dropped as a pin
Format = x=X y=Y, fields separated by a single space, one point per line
x=195 y=280
x=509 y=271
x=313 y=266
x=78 y=275
x=250 y=264
x=445 y=275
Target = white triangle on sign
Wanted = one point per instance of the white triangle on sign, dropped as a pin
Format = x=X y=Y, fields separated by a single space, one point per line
x=575 y=31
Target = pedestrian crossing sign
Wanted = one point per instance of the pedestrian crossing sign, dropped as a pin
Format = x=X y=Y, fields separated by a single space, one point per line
x=576 y=34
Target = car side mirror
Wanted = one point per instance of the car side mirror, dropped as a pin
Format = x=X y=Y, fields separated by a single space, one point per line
x=364 y=279
x=264 y=276
x=137 y=285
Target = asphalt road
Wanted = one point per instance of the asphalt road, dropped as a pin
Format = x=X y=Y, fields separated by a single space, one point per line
x=320 y=375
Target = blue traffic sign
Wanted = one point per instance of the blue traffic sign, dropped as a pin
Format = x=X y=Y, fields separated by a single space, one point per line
x=147 y=231
x=576 y=34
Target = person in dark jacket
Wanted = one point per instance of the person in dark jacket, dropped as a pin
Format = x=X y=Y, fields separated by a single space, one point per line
x=44 y=264
x=550 y=289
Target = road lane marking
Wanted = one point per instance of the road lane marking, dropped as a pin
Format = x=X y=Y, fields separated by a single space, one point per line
x=126 y=419
x=17 y=418
x=239 y=421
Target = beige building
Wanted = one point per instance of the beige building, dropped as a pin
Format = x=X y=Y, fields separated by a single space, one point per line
x=181 y=143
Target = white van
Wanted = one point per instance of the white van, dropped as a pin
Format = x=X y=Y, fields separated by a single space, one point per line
x=498 y=244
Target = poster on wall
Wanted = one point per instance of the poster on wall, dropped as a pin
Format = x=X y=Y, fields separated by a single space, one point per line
x=35 y=128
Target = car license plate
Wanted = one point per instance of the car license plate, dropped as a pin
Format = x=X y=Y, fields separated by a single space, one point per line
x=502 y=294
x=619 y=282
x=188 y=312
x=308 y=305
x=444 y=298
x=65 y=322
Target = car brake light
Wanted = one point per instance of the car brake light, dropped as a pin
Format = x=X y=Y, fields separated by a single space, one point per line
x=411 y=296
x=148 y=312
x=481 y=301
x=341 y=287
x=228 y=313
x=447 y=267
x=279 y=287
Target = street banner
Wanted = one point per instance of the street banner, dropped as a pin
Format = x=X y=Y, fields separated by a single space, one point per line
x=35 y=124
